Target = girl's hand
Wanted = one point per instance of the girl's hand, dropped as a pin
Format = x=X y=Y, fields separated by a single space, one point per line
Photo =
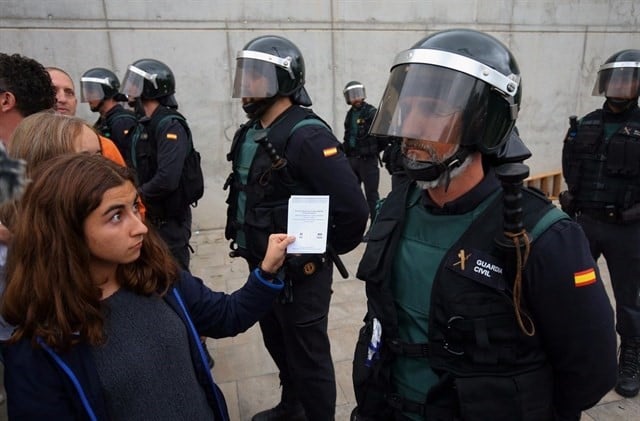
x=276 y=252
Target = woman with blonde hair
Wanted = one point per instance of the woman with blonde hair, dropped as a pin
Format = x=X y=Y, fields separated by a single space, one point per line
x=43 y=135
x=107 y=326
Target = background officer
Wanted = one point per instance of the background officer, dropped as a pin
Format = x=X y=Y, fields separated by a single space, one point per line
x=361 y=148
x=483 y=300
x=161 y=152
x=601 y=165
x=100 y=88
x=286 y=149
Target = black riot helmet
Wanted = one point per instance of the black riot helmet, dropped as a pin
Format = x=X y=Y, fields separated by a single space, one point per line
x=354 y=90
x=270 y=66
x=452 y=74
x=98 y=84
x=619 y=77
x=150 y=79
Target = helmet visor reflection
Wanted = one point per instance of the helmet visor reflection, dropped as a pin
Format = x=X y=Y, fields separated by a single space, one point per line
x=618 y=82
x=90 y=91
x=255 y=79
x=132 y=83
x=426 y=102
x=354 y=92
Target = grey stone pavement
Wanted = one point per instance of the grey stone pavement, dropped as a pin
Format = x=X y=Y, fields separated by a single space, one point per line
x=247 y=375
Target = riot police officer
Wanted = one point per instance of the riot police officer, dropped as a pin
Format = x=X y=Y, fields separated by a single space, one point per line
x=483 y=300
x=361 y=148
x=160 y=152
x=601 y=165
x=285 y=149
x=100 y=88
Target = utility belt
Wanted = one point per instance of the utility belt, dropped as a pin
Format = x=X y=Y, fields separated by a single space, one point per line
x=355 y=154
x=612 y=214
x=295 y=268
x=430 y=412
x=608 y=213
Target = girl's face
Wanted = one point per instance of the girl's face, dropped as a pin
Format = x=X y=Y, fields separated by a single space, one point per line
x=88 y=142
x=114 y=231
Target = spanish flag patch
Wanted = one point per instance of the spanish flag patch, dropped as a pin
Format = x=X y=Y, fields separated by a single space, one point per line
x=330 y=152
x=584 y=278
x=172 y=136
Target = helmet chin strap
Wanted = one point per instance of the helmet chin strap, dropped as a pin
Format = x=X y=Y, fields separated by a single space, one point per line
x=430 y=170
x=137 y=107
x=97 y=107
x=623 y=104
x=256 y=109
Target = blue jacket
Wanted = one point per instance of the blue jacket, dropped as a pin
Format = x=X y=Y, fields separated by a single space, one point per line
x=44 y=385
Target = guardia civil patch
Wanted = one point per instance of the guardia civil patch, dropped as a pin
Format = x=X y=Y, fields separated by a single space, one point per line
x=478 y=266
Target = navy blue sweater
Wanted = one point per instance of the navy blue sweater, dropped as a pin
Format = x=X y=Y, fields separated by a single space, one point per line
x=44 y=385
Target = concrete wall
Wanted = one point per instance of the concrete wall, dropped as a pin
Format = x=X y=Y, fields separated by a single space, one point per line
x=558 y=44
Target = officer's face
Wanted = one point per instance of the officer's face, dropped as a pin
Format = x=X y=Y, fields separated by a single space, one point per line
x=623 y=84
x=357 y=103
x=431 y=128
x=94 y=105
x=255 y=86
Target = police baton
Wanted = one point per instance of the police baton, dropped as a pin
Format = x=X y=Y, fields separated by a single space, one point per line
x=331 y=253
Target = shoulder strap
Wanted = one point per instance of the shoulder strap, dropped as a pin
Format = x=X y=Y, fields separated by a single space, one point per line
x=293 y=119
x=310 y=121
x=121 y=115
x=279 y=133
x=158 y=123
x=551 y=216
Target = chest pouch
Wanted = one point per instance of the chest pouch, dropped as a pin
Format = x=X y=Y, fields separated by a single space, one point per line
x=623 y=154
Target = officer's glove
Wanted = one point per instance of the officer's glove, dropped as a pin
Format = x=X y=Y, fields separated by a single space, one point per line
x=567 y=204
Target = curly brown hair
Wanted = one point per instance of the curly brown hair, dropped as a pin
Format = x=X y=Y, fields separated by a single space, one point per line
x=29 y=83
x=49 y=293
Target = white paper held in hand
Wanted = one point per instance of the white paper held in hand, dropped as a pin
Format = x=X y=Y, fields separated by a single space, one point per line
x=308 y=221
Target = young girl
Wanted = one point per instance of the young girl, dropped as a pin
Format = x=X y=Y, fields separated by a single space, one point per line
x=107 y=326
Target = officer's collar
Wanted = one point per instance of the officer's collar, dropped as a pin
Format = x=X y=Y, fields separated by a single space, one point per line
x=468 y=201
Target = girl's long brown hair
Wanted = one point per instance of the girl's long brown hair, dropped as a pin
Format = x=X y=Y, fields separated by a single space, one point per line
x=49 y=292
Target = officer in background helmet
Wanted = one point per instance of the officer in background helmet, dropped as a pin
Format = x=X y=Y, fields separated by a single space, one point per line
x=285 y=149
x=269 y=68
x=160 y=152
x=601 y=165
x=100 y=88
x=466 y=319
x=361 y=148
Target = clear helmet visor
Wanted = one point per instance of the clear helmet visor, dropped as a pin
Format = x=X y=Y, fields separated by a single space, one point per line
x=427 y=102
x=90 y=90
x=616 y=81
x=255 y=79
x=133 y=83
x=354 y=92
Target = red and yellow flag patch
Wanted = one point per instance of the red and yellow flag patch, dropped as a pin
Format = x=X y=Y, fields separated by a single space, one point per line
x=172 y=136
x=584 y=278
x=330 y=152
